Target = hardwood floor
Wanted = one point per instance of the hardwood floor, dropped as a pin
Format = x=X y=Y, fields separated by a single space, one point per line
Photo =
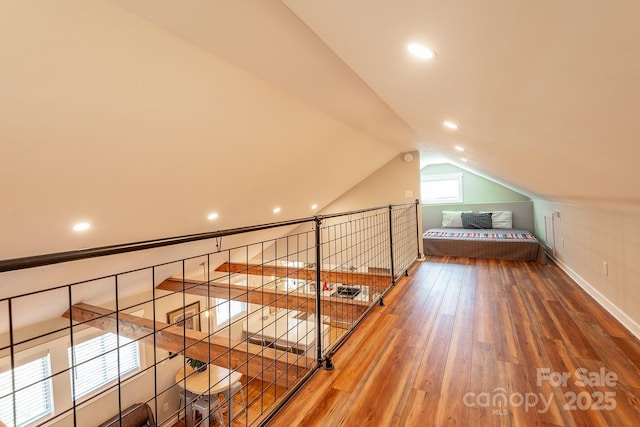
x=470 y=342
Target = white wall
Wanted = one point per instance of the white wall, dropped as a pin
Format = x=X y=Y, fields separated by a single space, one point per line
x=592 y=236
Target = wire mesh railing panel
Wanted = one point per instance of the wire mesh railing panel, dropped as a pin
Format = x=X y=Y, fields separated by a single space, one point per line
x=405 y=244
x=227 y=334
x=355 y=269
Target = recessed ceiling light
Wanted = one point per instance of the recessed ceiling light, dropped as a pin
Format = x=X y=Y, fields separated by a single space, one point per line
x=276 y=210
x=463 y=159
x=459 y=148
x=81 y=226
x=314 y=206
x=420 y=51
x=212 y=216
x=450 y=125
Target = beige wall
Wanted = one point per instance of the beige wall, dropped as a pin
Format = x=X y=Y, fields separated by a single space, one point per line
x=592 y=236
x=108 y=118
x=388 y=184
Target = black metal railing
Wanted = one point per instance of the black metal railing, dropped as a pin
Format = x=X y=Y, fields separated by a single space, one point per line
x=263 y=307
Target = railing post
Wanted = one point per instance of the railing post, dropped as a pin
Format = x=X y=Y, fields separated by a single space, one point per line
x=393 y=272
x=328 y=364
x=13 y=362
x=73 y=356
x=418 y=227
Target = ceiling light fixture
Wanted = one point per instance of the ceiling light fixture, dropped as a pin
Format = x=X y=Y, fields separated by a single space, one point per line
x=420 y=51
x=450 y=125
x=276 y=210
x=81 y=226
x=459 y=148
x=314 y=206
x=212 y=216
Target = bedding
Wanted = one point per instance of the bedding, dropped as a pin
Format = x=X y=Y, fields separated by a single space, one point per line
x=500 y=219
x=479 y=220
x=452 y=218
x=494 y=243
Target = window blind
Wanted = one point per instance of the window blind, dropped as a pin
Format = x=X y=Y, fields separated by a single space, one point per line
x=96 y=362
x=33 y=393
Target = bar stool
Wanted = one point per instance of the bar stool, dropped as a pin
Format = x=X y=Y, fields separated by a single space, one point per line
x=206 y=407
x=186 y=398
x=228 y=396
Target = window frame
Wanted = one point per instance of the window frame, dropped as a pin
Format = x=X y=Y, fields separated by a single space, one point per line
x=220 y=302
x=457 y=176
x=46 y=380
x=111 y=382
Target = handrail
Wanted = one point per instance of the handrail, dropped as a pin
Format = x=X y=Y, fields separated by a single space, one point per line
x=80 y=254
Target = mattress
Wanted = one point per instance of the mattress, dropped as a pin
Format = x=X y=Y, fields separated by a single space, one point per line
x=510 y=244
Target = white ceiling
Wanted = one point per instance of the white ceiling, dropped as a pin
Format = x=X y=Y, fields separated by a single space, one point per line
x=267 y=40
x=546 y=94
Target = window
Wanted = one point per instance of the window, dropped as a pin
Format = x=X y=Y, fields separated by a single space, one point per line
x=33 y=394
x=96 y=362
x=446 y=188
x=227 y=310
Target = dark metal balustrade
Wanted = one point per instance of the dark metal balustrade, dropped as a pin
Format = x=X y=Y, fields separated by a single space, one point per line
x=273 y=309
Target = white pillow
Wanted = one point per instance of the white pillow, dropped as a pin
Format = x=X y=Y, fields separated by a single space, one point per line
x=452 y=219
x=501 y=219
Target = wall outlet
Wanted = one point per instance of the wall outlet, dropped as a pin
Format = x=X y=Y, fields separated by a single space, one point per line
x=605 y=268
x=408 y=193
x=165 y=406
x=562 y=241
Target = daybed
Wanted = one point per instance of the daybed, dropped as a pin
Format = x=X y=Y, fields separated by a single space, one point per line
x=477 y=238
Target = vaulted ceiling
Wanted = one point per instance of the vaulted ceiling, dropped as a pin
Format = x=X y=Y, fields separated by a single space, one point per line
x=146 y=115
x=546 y=94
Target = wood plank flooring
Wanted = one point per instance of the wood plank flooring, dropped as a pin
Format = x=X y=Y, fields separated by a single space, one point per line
x=466 y=342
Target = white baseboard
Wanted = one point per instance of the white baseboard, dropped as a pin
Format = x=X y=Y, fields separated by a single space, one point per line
x=171 y=422
x=613 y=309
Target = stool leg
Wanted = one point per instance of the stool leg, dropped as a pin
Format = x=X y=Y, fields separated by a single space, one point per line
x=218 y=415
x=205 y=419
x=185 y=396
x=244 y=402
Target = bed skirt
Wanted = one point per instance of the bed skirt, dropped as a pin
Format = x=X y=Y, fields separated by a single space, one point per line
x=508 y=244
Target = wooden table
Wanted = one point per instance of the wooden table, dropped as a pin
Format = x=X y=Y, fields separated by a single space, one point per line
x=213 y=381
